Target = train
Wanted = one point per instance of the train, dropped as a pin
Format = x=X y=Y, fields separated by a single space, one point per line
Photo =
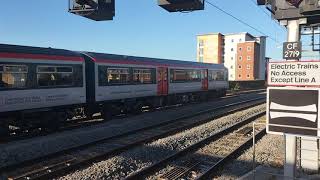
x=46 y=86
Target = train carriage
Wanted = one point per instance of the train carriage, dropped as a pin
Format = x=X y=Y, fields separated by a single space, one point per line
x=125 y=83
x=36 y=79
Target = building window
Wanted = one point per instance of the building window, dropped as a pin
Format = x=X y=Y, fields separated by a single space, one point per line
x=232 y=40
x=201 y=52
x=240 y=67
x=231 y=49
x=13 y=76
x=248 y=75
x=201 y=43
x=231 y=67
x=54 y=76
x=248 y=58
x=200 y=59
x=240 y=58
x=248 y=48
x=248 y=66
x=239 y=76
x=240 y=48
x=240 y=40
x=231 y=75
x=231 y=58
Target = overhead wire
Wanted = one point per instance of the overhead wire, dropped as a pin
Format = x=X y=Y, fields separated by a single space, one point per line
x=264 y=11
x=273 y=20
x=255 y=4
x=239 y=20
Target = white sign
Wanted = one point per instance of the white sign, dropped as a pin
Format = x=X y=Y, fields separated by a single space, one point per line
x=293 y=110
x=294 y=73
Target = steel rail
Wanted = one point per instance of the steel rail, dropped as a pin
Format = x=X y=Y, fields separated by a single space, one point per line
x=62 y=168
x=158 y=165
x=213 y=169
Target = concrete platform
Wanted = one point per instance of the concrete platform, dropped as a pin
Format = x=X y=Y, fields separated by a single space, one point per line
x=269 y=173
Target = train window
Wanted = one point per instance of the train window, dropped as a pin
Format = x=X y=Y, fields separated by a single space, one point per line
x=143 y=76
x=118 y=76
x=220 y=76
x=216 y=76
x=13 y=76
x=64 y=69
x=46 y=69
x=49 y=76
x=185 y=75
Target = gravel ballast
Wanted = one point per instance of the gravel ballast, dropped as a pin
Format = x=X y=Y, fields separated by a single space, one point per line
x=132 y=160
x=269 y=151
x=19 y=151
x=270 y=158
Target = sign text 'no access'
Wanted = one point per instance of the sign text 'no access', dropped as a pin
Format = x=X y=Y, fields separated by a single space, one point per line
x=297 y=73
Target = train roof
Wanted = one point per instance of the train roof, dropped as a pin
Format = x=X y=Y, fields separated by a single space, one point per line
x=113 y=58
x=6 y=48
x=18 y=51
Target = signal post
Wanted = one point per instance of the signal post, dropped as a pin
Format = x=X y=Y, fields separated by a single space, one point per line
x=293 y=108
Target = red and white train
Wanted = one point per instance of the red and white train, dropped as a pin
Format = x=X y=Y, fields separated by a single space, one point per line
x=46 y=86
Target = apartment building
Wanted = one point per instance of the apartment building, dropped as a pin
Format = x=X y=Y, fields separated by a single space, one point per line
x=247 y=61
x=228 y=46
x=210 y=48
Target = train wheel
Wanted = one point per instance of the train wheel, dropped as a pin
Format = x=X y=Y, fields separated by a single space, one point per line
x=204 y=97
x=4 y=129
x=106 y=112
x=137 y=108
x=224 y=93
x=61 y=117
x=53 y=121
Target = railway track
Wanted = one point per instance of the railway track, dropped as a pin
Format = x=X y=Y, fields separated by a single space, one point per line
x=17 y=134
x=204 y=158
x=62 y=162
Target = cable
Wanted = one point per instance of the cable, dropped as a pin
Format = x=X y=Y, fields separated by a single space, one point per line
x=260 y=8
x=241 y=21
x=271 y=19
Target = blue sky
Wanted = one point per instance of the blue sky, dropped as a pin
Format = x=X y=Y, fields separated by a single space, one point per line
x=140 y=27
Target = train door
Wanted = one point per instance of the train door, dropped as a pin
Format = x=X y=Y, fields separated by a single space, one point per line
x=162 y=81
x=205 y=83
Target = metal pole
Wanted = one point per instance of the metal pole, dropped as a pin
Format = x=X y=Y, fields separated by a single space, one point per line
x=254 y=151
x=293 y=28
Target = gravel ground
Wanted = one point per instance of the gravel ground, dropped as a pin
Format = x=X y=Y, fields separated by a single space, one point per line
x=269 y=152
x=211 y=153
x=122 y=165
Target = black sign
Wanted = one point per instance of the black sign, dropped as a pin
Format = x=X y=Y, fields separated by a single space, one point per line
x=291 y=108
x=292 y=50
